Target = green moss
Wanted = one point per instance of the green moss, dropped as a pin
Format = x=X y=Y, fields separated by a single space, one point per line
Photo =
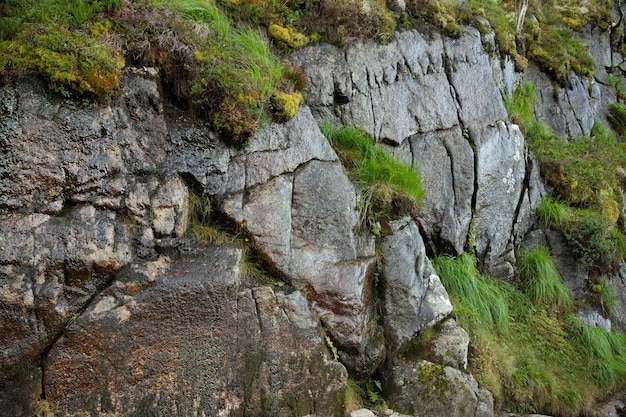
x=434 y=381
x=286 y=105
x=287 y=38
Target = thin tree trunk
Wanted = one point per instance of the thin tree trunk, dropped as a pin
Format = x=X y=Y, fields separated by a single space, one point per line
x=521 y=15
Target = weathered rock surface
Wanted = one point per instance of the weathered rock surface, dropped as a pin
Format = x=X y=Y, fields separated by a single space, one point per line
x=179 y=337
x=110 y=187
x=88 y=190
x=425 y=388
x=448 y=346
x=413 y=295
x=50 y=268
x=419 y=94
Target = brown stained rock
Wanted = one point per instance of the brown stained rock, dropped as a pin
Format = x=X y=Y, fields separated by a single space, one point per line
x=179 y=337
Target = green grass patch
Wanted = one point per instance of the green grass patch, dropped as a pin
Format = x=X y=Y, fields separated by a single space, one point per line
x=370 y=163
x=539 y=279
x=585 y=175
x=482 y=301
x=390 y=187
x=554 y=213
x=533 y=358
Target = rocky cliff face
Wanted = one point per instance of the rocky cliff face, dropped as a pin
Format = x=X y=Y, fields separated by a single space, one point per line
x=108 y=308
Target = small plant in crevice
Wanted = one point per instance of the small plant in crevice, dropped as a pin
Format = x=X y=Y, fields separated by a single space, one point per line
x=390 y=188
x=616 y=116
x=209 y=228
x=353 y=397
x=44 y=409
x=202 y=226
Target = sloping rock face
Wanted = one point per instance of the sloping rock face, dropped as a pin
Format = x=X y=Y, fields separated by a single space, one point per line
x=92 y=193
x=181 y=338
x=434 y=101
x=413 y=295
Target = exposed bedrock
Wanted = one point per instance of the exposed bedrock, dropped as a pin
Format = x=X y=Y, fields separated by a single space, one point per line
x=436 y=103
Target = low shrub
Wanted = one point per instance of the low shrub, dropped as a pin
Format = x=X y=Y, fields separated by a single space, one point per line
x=591 y=241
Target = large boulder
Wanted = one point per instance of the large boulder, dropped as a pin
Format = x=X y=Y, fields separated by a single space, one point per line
x=180 y=337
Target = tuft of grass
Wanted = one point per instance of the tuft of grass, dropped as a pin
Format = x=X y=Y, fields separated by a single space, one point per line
x=553 y=213
x=483 y=300
x=202 y=227
x=606 y=352
x=542 y=363
x=236 y=72
x=370 y=163
x=390 y=188
x=539 y=279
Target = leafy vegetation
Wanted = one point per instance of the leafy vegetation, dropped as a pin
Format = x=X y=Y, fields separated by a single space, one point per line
x=390 y=187
x=585 y=174
x=533 y=357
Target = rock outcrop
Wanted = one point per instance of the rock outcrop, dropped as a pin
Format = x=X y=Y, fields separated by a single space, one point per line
x=95 y=204
x=419 y=95
x=179 y=337
x=107 y=307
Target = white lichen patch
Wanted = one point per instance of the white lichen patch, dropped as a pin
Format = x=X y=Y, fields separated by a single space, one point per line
x=104 y=305
x=509 y=181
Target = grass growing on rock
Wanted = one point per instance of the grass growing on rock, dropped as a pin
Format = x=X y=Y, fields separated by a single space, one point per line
x=585 y=174
x=533 y=357
x=389 y=186
x=223 y=71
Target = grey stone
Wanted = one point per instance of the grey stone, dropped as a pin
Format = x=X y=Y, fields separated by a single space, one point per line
x=594 y=319
x=170 y=208
x=449 y=345
x=362 y=412
x=446 y=165
x=413 y=295
x=500 y=171
x=425 y=388
x=50 y=268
